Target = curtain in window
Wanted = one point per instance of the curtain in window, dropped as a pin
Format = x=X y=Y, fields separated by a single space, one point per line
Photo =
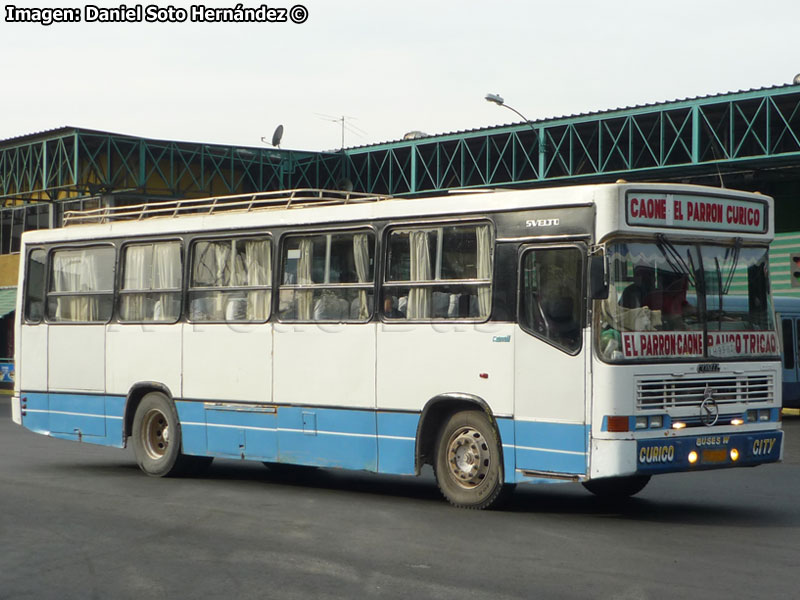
x=136 y=276
x=166 y=276
x=66 y=278
x=221 y=276
x=484 y=269
x=304 y=264
x=90 y=267
x=258 y=268
x=76 y=271
x=361 y=260
x=419 y=298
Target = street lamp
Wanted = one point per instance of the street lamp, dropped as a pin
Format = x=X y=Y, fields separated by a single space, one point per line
x=498 y=99
x=539 y=135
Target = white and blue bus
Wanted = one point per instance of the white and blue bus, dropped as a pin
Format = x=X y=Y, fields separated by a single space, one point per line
x=584 y=334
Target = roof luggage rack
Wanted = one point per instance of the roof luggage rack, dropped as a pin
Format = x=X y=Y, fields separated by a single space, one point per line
x=299 y=198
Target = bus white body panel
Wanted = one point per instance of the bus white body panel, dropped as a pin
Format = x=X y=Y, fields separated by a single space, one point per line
x=76 y=358
x=32 y=344
x=325 y=364
x=230 y=362
x=143 y=353
x=417 y=363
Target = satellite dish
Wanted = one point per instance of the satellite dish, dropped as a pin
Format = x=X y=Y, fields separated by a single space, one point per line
x=276 y=137
x=344 y=185
x=796 y=79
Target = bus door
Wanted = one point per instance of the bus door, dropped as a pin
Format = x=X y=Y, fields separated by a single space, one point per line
x=551 y=433
x=791 y=367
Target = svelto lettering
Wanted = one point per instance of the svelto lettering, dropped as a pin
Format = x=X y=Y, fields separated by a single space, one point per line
x=657 y=454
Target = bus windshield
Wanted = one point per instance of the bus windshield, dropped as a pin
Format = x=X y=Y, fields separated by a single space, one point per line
x=686 y=301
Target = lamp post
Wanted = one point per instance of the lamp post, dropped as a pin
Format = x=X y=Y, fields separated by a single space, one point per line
x=498 y=99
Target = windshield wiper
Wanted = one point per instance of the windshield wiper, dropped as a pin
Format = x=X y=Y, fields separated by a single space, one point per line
x=675 y=260
x=737 y=247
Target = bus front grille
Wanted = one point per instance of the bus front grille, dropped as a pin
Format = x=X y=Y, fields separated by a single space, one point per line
x=659 y=393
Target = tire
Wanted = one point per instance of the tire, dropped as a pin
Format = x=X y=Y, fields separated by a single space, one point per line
x=469 y=464
x=157 y=439
x=617 y=488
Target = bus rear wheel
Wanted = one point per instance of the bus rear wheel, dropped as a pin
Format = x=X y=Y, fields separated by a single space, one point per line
x=615 y=488
x=468 y=465
x=157 y=439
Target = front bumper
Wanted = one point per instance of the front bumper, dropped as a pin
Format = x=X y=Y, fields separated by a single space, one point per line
x=708 y=451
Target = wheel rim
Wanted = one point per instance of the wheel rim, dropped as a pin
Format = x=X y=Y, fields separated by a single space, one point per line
x=155 y=434
x=468 y=457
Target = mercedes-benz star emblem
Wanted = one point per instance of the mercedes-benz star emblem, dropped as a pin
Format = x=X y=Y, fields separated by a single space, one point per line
x=709 y=411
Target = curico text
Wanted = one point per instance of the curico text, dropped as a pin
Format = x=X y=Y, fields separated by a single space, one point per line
x=657 y=454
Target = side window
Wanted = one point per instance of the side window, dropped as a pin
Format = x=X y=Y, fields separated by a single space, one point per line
x=551 y=295
x=231 y=280
x=327 y=277
x=440 y=272
x=81 y=285
x=150 y=290
x=35 y=284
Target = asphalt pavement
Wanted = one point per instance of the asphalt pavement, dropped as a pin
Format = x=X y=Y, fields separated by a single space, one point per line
x=81 y=521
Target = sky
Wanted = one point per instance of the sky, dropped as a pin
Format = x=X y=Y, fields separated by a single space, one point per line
x=387 y=67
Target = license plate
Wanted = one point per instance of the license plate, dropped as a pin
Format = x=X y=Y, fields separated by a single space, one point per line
x=714 y=456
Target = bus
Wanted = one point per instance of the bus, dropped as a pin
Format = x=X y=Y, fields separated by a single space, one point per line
x=577 y=334
x=788 y=315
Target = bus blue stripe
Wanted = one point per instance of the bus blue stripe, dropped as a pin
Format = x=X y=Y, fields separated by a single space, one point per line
x=551 y=447
x=95 y=419
x=379 y=441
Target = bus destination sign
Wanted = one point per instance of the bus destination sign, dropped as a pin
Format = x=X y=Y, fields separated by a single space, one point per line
x=681 y=344
x=686 y=211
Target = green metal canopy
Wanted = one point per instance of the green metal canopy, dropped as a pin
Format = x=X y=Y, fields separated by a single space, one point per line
x=8 y=300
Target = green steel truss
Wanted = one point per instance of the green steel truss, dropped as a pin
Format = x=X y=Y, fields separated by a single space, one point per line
x=753 y=130
x=747 y=130
x=74 y=163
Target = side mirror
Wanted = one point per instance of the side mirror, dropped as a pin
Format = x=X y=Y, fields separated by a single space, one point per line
x=598 y=281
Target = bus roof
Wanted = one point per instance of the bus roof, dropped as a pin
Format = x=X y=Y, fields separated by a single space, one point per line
x=332 y=209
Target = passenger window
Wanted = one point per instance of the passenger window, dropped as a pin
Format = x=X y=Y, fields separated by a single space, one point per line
x=439 y=273
x=552 y=295
x=231 y=280
x=151 y=283
x=35 y=283
x=81 y=285
x=327 y=277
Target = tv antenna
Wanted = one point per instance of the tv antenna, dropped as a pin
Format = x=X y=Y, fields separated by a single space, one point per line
x=345 y=125
x=276 y=137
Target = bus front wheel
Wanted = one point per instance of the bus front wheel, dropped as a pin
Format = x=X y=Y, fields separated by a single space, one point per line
x=468 y=465
x=617 y=487
x=157 y=439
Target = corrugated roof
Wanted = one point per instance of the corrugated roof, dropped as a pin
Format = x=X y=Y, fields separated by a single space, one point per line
x=433 y=136
x=68 y=129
